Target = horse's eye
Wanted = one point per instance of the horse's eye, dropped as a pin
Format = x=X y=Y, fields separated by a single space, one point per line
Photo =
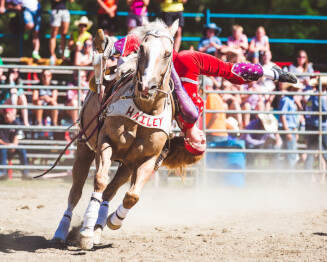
x=167 y=54
x=141 y=50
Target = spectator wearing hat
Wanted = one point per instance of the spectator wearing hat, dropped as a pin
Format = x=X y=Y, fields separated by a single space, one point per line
x=79 y=37
x=259 y=45
x=11 y=136
x=107 y=18
x=210 y=43
x=312 y=122
x=170 y=11
x=289 y=122
x=44 y=97
x=138 y=14
x=60 y=19
x=266 y=122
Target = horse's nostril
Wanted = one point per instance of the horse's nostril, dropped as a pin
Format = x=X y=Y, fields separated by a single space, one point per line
x=153 y=87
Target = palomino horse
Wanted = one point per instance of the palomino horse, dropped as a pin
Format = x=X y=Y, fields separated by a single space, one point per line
x=133 y=133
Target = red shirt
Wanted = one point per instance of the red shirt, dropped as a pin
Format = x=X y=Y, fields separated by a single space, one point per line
x=108 y=3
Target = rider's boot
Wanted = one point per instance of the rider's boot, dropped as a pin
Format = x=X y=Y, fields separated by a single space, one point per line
x=253 y=72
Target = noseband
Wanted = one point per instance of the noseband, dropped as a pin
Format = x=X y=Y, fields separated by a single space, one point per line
x=159 y=34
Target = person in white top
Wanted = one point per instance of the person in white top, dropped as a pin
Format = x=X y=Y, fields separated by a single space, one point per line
x=267 y=85
x=259 y=45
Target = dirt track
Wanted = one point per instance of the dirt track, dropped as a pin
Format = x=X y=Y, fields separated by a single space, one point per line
x=258 y=223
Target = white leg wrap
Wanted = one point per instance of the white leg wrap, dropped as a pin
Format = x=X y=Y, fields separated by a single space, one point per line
x=269 y=73
x=63 y=228
x=119 y=215
x=91 y=213
x=103 y=214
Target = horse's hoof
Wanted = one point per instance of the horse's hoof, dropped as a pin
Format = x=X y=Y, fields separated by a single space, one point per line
x=110 y=225
x=86 y=238
x=86 y=243
x=97 y=236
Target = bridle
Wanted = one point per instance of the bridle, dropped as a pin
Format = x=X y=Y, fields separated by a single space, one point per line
x=159 y=34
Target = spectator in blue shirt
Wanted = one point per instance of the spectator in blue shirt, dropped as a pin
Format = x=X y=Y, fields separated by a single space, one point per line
x=210 y=43
x=312 y=121
x=289 y=122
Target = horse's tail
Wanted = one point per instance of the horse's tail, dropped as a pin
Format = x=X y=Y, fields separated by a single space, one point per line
x=178 y=157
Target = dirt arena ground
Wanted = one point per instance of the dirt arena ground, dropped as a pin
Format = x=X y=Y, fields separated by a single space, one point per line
x=262 y=222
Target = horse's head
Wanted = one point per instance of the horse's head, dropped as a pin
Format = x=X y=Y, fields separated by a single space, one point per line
x=154 y=61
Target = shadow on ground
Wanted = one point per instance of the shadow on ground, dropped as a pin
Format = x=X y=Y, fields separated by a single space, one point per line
x=321 y=234
x=20 y=241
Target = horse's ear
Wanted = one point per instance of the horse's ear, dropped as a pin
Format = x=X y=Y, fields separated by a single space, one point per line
x=174 y=27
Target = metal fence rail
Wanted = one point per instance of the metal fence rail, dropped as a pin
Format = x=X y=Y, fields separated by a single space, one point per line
x=56 y=146
x=207 y=16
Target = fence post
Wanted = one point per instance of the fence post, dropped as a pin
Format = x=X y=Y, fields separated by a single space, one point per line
x=320 y=126
x=205 y=178
x=79 y=90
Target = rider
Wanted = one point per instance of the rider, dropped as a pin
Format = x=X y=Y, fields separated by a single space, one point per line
x=188 y=65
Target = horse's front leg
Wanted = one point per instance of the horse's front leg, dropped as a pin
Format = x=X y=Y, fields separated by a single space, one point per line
x=121 y=177
x=103 y=157
x=139 y=179
x=83 y=160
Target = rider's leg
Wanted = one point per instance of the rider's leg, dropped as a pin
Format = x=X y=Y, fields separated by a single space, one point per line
x=252 y=72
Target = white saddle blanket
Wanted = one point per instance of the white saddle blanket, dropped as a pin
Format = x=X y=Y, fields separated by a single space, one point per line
x=128 y=109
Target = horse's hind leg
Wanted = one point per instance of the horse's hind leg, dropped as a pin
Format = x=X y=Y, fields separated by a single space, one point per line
x=121 y=177
x=103 y=159
x=139 y=179
x=83 y=160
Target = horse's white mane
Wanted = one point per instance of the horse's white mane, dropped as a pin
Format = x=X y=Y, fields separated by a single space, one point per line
x=131 y=60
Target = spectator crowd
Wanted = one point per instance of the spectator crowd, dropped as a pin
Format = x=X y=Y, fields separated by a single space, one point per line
x=76 y=49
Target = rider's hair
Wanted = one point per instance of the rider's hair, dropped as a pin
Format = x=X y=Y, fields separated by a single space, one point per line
x=179 y=158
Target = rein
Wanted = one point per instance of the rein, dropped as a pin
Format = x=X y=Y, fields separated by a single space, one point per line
x=118 y=85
